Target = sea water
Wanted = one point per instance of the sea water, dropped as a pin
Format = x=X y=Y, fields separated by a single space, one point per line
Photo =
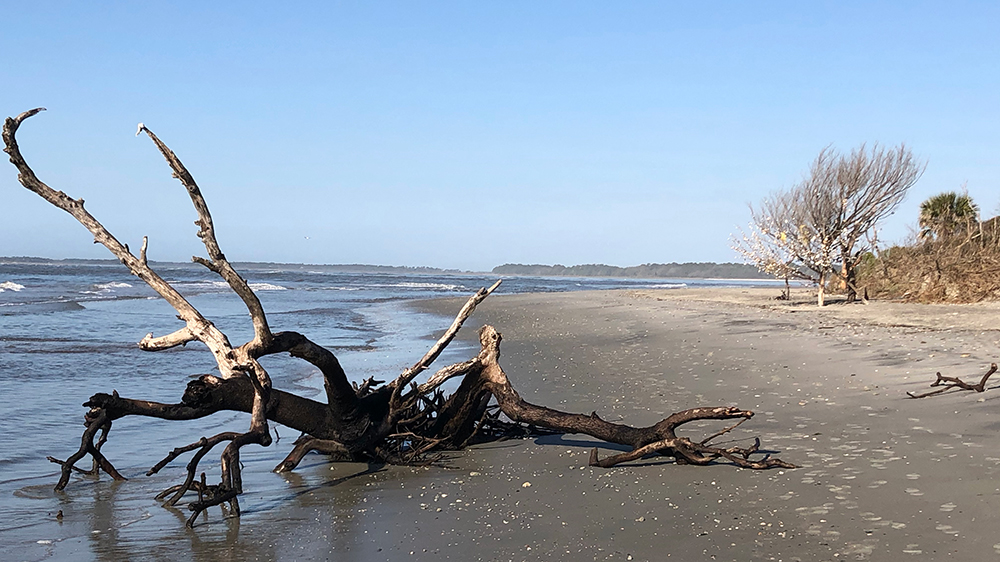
x=69 y=330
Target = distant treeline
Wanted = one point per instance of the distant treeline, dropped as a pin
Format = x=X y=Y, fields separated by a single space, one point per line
x=648 y=270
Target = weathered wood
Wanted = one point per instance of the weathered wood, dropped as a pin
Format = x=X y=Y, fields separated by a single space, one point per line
x=201 y=328
x=401 y=422
x=953 y=383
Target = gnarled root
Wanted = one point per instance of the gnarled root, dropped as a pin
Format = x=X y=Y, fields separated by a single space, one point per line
x=306 y=444
x=687 y=452
x=95 y=420
x=232 y=482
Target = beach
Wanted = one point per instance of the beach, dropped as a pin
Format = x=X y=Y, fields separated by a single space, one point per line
x=882 y=477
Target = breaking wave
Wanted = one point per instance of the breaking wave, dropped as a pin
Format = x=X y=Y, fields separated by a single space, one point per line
x=200 y=285
x=105 y=288
x=418 y=285
x=10 y=286
x=266 y=287
x=113 y=285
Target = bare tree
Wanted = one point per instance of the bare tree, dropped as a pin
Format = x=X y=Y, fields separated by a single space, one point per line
x=829 y=217
x=792 y=234
x=773 y=242
x=870 y=185
x=399 y=422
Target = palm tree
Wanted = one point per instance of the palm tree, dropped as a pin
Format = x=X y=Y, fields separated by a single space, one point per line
x=947 y=214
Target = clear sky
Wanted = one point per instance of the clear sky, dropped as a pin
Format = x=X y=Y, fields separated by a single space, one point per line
x=466 y=135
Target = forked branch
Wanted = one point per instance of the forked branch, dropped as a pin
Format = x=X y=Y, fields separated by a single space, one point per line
x=217 y=261
x=197 y=325
x=95 y=420
x=241 y=362
x=953 y=383
x=439 y=346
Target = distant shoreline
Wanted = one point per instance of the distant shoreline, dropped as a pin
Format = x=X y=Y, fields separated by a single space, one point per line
x=688 y=270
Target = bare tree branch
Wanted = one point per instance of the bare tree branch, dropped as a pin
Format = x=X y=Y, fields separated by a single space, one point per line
x=203 y=330
x=439 y=346
x=952 y=383
x=219 y=264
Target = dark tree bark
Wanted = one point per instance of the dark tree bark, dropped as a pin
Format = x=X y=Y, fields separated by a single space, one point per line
x=954 y=383
x=398 y=422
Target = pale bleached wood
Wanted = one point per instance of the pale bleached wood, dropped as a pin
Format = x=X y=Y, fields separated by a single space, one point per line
x=217 y=261
x=196 y=324
x=445 y=374
x=420 y=366
x=180 y=337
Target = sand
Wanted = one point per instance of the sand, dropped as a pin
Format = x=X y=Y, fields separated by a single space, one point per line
x=883 y=477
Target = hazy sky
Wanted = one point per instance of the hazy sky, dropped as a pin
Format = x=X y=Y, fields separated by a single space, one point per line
x=466 y=135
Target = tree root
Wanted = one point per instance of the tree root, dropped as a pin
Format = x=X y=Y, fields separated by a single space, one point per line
x=95 y=420
x=953 y=383
x=306 y=444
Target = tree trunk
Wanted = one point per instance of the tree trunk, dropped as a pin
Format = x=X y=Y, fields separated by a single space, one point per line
x=851 y=281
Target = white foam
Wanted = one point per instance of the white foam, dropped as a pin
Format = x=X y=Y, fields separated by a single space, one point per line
x=105 y=288
x=113 y=285
x=415 y=285
x=669 y=286
x=267 y=287
x=204 y=285
x=10 y=286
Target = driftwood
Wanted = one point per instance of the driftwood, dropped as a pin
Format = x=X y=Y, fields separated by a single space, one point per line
x=953 y=383
x=399 y=422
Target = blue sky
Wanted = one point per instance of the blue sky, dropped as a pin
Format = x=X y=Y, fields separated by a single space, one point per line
x=466 y=135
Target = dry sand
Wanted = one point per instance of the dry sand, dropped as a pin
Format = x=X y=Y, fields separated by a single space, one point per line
x=883 y=477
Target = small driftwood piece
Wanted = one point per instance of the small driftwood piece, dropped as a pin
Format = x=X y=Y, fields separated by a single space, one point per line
x=402 y=422
x=951 y=383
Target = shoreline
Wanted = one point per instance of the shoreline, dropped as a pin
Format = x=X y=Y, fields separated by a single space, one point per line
x=882 y=476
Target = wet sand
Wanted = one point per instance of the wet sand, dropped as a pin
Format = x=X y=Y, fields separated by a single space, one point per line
x=883 y=477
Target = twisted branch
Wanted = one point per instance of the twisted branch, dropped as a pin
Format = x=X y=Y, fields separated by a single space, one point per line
x=951 y=383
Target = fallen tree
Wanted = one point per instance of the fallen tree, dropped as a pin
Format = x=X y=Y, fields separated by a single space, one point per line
x=400 y=422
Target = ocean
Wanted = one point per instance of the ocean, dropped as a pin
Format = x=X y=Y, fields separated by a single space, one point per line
x=69 y=330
